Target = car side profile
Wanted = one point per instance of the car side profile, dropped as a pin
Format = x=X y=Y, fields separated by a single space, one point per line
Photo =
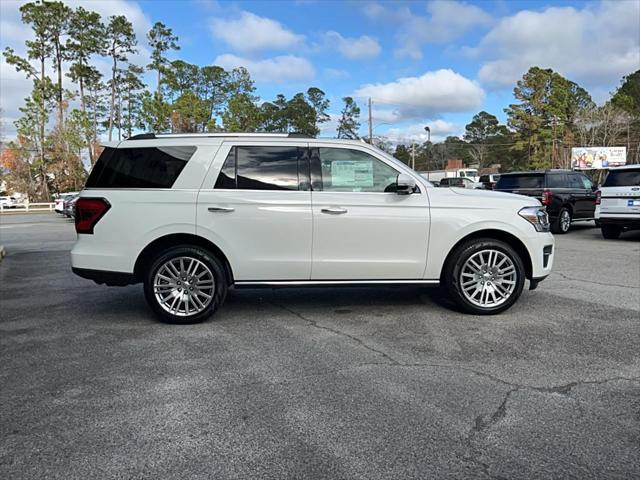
x=191 y=216
x=569 y=196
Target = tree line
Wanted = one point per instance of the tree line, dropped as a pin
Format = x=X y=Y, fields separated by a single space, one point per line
x=552 y=114
x=66 y=114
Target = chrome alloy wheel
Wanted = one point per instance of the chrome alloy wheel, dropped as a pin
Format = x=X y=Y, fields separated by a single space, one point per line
x=565 y=220
x=184 y=286
x=488 y=278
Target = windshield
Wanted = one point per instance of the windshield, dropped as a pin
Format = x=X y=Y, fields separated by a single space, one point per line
x=507 y=182
x=622 y=178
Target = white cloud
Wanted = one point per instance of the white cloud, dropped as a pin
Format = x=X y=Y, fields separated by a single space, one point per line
x=440 y=130
x=354 y=47
x=445 y=21
x=429 y=95
x=250 y=33
x=14 y=86
x=594 y=46
x=285 y=68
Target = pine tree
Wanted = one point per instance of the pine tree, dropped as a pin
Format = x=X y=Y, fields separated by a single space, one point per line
x=349 y=122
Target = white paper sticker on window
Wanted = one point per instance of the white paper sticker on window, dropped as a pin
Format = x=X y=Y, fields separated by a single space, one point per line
x=352 y=174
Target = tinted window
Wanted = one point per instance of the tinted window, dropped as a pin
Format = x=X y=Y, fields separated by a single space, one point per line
x=508 y=182
x=345 y=170
x=558 y=180
x=622 y=178
x=586 y=183
x=227 y=176
x=484 y=178
x=147 y=167
x=260 y=168
x=575 y=181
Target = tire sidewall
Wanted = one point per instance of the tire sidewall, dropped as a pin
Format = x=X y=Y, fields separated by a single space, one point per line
x=204 y=256
x=558 y=223
x=462 y=254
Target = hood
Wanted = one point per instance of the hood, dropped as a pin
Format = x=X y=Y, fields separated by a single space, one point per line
x=492 y=195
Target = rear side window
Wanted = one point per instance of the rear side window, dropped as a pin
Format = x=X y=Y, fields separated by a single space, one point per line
x=520 y=181
x=622 y=178
x=559 y=180
x=260 y=168
x=145 y=167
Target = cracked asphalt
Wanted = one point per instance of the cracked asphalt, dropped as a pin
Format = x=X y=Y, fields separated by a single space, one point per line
x=319 y=383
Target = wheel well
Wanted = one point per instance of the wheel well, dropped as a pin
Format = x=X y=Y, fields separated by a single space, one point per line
x=513 y=241
x=159 y=244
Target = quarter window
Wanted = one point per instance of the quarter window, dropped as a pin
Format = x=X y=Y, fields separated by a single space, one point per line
x=345 y=170
x=147 y=167
x=260 y=168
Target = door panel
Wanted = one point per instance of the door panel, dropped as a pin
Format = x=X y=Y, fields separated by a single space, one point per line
x=264 y=230
x=365 y=235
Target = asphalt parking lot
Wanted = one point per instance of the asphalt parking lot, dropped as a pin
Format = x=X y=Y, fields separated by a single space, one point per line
x=323 y=383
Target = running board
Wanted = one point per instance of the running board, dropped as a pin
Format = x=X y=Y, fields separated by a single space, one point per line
x=325 y=283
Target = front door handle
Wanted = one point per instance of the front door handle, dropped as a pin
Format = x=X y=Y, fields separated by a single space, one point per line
x=334 y=210
x=221 y=209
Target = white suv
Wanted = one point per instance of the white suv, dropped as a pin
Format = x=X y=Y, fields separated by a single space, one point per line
x=618 y=201
x=192 y=215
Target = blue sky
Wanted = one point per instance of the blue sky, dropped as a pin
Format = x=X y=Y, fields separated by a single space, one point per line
x=423 y=62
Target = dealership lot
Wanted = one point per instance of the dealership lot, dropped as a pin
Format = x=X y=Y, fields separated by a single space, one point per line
x=333 y=383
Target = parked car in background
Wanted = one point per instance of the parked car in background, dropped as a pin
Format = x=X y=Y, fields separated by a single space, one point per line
x=69 y=205
x=569 y=196
x=8 y=202
x=460 y=182
x=191 y=216
x=489 y=181
x=618 y=201
x=59 y=201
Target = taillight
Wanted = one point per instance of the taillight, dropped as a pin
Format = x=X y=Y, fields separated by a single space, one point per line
x=88 y=212
x=547 y=197
x=598 y=197
x=492 y=185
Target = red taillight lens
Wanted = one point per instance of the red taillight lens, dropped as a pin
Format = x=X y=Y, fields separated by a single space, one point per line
x=547 y=197
x=598 y=197
x=88 y=212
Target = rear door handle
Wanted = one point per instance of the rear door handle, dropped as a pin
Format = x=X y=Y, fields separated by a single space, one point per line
x=221 y=209
x=334 y=210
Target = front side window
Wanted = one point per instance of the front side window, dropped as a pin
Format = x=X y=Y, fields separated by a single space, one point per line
x=143 y=167
x=260 y=168
x=586 y=183
x=345 y=170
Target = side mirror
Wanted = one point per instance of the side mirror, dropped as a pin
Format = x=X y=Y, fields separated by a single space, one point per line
x=405 y=184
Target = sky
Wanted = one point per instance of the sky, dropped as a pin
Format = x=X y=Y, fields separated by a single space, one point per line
x=434 y=63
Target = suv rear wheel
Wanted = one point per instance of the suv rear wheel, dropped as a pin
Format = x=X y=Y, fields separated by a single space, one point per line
x=611 y=232
x=185 y=284
x=563 y=222
x=484 y=276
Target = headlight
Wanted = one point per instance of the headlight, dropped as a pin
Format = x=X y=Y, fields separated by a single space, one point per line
x=536 y=216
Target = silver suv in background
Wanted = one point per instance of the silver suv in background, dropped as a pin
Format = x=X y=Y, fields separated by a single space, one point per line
x=618 y=201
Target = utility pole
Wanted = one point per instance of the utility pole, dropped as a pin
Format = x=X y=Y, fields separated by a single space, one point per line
x=413 y=155
x=370 y=124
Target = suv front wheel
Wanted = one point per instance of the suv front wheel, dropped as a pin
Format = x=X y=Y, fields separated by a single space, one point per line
x=484 y=276
x=185 y=284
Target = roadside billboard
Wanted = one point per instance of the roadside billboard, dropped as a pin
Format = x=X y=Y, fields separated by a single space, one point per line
x=588 y=158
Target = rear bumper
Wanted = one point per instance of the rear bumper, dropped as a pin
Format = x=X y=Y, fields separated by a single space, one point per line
x=104 y=277
x=632 y=223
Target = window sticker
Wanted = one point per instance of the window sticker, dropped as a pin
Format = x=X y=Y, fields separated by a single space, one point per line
x=352 y=174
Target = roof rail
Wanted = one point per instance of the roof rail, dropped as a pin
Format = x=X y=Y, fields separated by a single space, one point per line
x=151 y=136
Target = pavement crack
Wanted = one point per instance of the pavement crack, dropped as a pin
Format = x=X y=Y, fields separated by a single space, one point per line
x=482 y=422
x=335 y=331
x=567 y=277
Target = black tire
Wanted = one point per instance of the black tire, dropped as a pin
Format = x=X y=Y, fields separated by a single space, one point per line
x=611 y=232
x=560 y=226
x=458 y=258
x=220 y=284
